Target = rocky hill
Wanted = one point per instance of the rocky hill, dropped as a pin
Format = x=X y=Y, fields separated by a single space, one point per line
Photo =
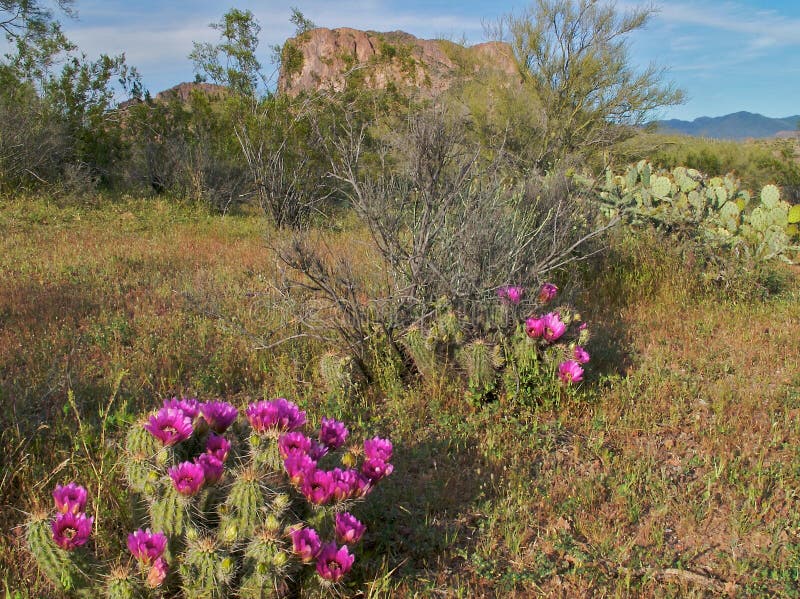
x=327 y=58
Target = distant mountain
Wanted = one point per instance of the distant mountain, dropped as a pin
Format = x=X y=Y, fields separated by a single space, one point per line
x=739 y=125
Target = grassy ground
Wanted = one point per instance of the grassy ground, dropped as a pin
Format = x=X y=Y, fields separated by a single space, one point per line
x=675 y=471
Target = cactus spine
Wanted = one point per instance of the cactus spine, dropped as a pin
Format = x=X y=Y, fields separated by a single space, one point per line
x=206 y=570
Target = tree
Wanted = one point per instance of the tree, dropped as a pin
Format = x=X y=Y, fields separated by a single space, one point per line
x=573 y=55
x=232 y=62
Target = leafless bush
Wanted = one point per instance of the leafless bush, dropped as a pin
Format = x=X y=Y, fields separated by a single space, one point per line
x=448 y=220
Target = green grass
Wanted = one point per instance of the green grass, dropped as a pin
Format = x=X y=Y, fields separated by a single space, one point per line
x=673 y=472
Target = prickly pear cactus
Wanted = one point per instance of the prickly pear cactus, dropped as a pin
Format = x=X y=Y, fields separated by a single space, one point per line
x=716 y=210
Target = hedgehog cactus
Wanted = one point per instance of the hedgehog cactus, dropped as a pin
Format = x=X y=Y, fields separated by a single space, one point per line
x=123 y=584
x=206 y=570
x=210 y=532
x=481 y=360
x=241 y=513
x=423 y=356
x=62 y=567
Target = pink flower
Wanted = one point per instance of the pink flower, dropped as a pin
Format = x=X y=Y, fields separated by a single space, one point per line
x=70 y=498
x=293 y=443
x=581 y=355
x=219 y=415
x=363 y=485
x=170 y=426
x=71 y=530
x=305 y=543
x=332 y=433
x=212 y=467
x=345 y=483
x=553 y=327
x=547 y=293
x=317 y=486
x=333 y=564
x=298 y=466
x=317 y=451
x=157 y=574
x=570 y=372
x=278 y=414
x=348 y=529
x=378 y=449
x=375 y=469
x=147 y=546
x=187 y=477
x=218 y=446
x=188 y=405
x=534 y=327
x=511 y=294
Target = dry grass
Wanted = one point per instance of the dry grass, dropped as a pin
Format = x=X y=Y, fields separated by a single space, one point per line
x=674 y=473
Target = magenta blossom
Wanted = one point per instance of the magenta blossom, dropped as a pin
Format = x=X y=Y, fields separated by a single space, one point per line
x=378 y=449
x=345 y=484
x=278 y=414
x=70 y=498
x=188 y=405
x=510 y=294
x=219 y=415
x=375 y=469
x=363 y=485
x=305 y=543
x=212 y=467
x=570 y=372
x=170 y=426
x=534 y=327
x=317 y=486
x=348 y=529
x=147 y=546
x=293 y=443
x=71 y=530
x=332 y=433
x=553 y=327
x=158 y=572
x=333 y=563
x=581 y=355
x=218 y=446
x=317 y=451
x=547 y=293
x=297 y=466
x=188 y=478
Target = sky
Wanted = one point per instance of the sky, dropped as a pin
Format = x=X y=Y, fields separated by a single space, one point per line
x=727 y=55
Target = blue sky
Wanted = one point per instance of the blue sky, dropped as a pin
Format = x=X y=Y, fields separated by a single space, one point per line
x=728 y=55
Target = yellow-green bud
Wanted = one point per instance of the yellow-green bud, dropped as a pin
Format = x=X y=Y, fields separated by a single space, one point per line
x=349 y=459
x=279 y=559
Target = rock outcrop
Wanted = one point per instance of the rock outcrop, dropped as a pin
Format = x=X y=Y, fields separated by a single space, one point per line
x=329 y=58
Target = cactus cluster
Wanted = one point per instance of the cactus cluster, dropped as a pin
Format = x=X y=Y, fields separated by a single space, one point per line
x=229 y=506
x=509 y=356
x=716 y=209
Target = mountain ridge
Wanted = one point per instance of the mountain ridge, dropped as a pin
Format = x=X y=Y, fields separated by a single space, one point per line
x=736 y=125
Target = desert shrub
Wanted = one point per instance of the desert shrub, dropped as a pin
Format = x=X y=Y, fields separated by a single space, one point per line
x=33 y=144
x=270 y=523
x=448 y=227
x=280 y=143
x=187 y=148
